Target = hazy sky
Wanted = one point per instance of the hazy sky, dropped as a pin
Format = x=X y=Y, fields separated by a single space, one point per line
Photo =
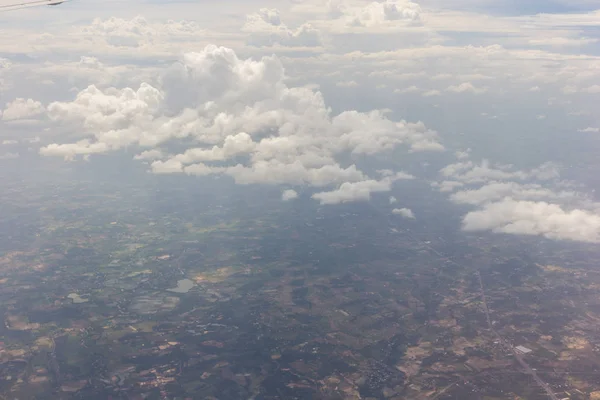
x=500 y=97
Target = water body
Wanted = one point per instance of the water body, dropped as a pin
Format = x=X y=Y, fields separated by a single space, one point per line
x=183 y=286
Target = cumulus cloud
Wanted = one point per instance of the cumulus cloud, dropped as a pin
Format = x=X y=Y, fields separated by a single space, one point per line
x=22 y=108
x=266 y=29
x=431 y=93
x=410 y=89
x=385 y=12
x=361 y=190
x=9 y=156
x=136 y=32
x=288 y=195
x=466 y=87
x=347 y=84
x=589 y=129
x=393 y=200
x=447 y=186
x=461 y=155
x=353 y=191
x=535 y=218
x=469 y=172
x=404 y=212
x=499 y=190
x=237 y=118
x=510 y=201
x=149 y=155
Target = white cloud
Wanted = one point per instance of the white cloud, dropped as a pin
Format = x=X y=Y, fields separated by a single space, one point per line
x=347 y=84
x=9 y=156
x=589 y=129
x=507 y=201
x=498 y=190
x=266 y=29
x=385 y=13
x=22 y=108
x=393 y=200
x=243 y=121
x=447 y=186
x=431 y=93
x=9 y=142
x=461 y=155
x=469 y=172
x=404 y=212
x=353 y=191
x=288 y=195
x=535 y=218
x=410 y=89
x=466 y=87
x=149 y=155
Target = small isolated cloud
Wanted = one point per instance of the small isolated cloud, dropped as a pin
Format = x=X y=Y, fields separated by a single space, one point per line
x=589 y=129
x=469 y=172
x=266 y=29
x=535 y=218
x=498 y=190
x=9 y=156
x=572 y=89
x=289 y=195
x=353 y=191
x=534 y=89
x=404 y=212
x=347 y=84
x=21 y=108
x=447 y=186
x=410 y=89
x=466 y=87
x=462 y=155
x=393 y=200
x=540 y=117
x=594 y=89
x=431 y=93
x=9 y=142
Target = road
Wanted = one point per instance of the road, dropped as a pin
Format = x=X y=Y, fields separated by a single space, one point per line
x=500 y=339
x=509 y=346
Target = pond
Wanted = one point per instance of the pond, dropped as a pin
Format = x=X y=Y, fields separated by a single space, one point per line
x=183 y=286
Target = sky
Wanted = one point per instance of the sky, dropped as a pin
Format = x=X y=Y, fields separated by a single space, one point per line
x=493 y=104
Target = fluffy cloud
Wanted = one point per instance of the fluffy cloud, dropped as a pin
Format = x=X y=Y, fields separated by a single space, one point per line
x=384 y=13
x=590 y=129
x=355 y=191
x=266 y=29
x=361 y=190
x=535 y=218
x=469 y=172
x=9 y=156
x=238 y=118
x=404 y=212
x=499 y=190
x=510 y=201
x=288 y=195
x=22 y=109
x=466 y=87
